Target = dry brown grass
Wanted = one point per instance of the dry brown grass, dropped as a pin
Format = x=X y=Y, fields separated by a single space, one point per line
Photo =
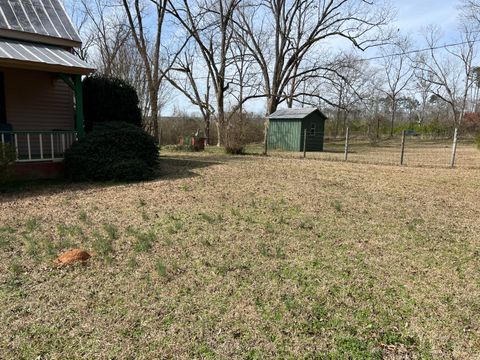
x=246 y=257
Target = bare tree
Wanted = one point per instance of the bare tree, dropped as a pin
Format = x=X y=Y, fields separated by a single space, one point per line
x=349 y=86
x=141 y=16
x=80 y=19
x=281 y=34
x=398 y=72
x=471 y=15
x=244 y=85
x=183 y=77
x=423 y=89
x=449 y=70
x=475 y=73
x=470 y=11
x=109 y=33
x=209 y=24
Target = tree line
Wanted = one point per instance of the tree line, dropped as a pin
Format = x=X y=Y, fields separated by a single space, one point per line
x=222 y=54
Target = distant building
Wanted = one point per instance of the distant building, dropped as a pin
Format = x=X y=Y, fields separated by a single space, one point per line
x=287 y=128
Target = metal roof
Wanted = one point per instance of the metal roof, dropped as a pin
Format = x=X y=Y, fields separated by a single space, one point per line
x=39 y=17
x=294 y=113
x=53 y=58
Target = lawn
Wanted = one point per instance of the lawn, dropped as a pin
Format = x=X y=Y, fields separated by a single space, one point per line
x=246 y=257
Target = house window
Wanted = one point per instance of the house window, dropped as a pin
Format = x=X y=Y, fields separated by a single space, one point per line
x=312 y=130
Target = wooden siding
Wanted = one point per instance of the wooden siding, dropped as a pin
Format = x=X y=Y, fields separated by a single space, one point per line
x=37 y=100
x=285 y=134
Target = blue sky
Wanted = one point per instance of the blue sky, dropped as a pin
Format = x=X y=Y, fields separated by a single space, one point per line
x=412 y=17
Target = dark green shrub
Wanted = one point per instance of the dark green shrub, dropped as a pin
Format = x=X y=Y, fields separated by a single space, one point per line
x=131 y=170
x=109 y=99
x=113 y=151
x=477 y=141
x=8 y=156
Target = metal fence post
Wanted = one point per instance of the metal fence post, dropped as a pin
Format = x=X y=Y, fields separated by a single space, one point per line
x=454 y=148
x=305 y=143
x=346 y=143
x=403 y=148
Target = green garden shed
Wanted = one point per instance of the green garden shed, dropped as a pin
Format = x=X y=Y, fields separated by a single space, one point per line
x=287 y=128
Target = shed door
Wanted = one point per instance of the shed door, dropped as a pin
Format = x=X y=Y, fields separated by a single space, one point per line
x=314 y=129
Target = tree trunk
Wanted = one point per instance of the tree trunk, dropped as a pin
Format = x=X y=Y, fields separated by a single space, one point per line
x=378 y=127
x=475 y=108
x=220 y=114
x=271 y=108
x=394 y=109
x=456 y=117
x=154 y=114
x=290 y=102
x=339 y=110
x=207 y=130
x=221 y=128
x=218 y=133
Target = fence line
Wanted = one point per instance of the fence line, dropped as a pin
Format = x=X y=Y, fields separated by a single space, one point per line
x=408 y=150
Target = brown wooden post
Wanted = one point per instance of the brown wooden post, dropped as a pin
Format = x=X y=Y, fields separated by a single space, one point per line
x=346 y=143
x=403 y=148
x=454 y=148
x=305 y=143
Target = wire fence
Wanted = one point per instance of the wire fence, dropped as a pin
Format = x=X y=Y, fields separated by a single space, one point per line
x=406 y=149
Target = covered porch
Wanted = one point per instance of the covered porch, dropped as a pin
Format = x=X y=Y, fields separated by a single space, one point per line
x=37 y=146
x=41 y=104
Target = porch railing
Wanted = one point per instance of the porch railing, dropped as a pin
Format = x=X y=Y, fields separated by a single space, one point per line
x=39 y=145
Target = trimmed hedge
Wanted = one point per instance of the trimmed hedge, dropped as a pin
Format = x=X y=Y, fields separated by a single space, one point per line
x=109 y=99
x=113 y=151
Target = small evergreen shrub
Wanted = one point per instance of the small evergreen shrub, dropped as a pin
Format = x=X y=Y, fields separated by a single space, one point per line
x=131 y=170
x=113 y=151
x=109 y=99
x=477 y=141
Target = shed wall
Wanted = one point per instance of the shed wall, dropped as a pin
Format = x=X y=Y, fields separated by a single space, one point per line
x=37 y=100
x=285 y=134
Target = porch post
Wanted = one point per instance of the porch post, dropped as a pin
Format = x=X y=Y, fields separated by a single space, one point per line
x=79 y=119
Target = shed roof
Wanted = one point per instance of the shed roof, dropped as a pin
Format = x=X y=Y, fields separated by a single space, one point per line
x=295 y=113
x=37 y=20
x=23 y=54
